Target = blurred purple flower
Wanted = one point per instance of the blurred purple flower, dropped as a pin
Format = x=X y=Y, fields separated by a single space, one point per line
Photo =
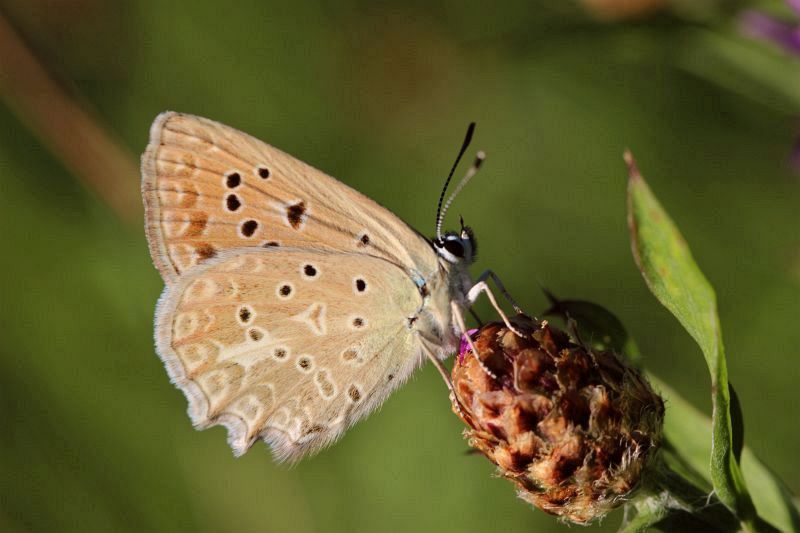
x=762 y=26
x=785 y=34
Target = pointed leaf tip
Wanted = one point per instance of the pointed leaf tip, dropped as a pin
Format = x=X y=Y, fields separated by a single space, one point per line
x=633 y=170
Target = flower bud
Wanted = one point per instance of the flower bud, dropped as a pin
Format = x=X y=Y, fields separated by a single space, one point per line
x=572 y=427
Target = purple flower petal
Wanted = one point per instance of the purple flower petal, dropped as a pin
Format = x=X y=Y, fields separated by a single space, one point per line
x=794 y=4
x=760 y=26
x=464 y=347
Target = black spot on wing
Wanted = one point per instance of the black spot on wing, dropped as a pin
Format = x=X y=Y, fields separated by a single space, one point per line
x=295 y=214
x=232 y=202
x=249 y=227
x=233 y=180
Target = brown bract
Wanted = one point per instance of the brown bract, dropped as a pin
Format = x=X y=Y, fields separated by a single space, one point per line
x=573 y=428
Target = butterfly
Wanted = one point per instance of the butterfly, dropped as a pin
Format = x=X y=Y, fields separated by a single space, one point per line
x=294 y=305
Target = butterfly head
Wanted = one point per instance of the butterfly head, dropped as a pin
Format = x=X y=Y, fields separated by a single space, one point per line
x=457 y=248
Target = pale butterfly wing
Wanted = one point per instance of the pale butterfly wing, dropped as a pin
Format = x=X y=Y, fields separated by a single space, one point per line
x=209 y=188
x=253 y=335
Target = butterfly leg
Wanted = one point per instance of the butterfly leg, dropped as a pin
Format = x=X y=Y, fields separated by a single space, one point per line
x=431 y=354
x=437 y=363
x=476 y=317
x=491 y=275
x=459 y=317
x=480 y=287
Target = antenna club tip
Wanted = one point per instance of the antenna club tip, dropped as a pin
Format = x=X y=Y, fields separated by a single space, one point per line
x=468 y=136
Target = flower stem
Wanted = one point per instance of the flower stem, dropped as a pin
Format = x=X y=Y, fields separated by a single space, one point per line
x=671 y=502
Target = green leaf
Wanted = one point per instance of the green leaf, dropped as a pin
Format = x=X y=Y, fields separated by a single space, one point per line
x=674 y=278
x=688 y=431
x=737 y=423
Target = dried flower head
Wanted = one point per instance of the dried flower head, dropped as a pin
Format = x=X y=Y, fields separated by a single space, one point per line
x=572 y=427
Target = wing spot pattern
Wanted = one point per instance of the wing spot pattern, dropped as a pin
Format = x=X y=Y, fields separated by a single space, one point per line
x=309 y=271
x=197 y=224
x=185 y=325
x=314 y=428
x=354 y=393
x=204 y=251
x=232 y=202
x=296 y=215
x=305 y=363
x=183 y=195
x=233 y=179
x=351 y=356
x=220 y=384
x=314 y=318
x=253 y=405
x=255 y=334
x=197 y=356
x=231 y=289
x=176 y=225
x=248 y=228
x=183 y=256
x=245 y=315
x=200 y=289
x=360 y=285
x=358 y=322
x=285 y=290
x=280 y=353
x=185 y=165
x=325 y=386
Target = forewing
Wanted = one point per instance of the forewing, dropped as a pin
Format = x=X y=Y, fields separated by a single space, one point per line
x=210 y=188
x=291 y=346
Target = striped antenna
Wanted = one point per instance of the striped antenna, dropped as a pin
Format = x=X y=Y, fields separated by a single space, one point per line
x=468 y=176
x=464 y=146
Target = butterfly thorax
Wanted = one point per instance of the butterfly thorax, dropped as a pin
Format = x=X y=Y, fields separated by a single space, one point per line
x=434 y=319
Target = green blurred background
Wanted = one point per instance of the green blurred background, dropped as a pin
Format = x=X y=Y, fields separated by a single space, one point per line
x=92 y=435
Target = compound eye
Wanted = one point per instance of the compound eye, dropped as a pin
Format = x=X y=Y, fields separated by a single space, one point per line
x=455 y=248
